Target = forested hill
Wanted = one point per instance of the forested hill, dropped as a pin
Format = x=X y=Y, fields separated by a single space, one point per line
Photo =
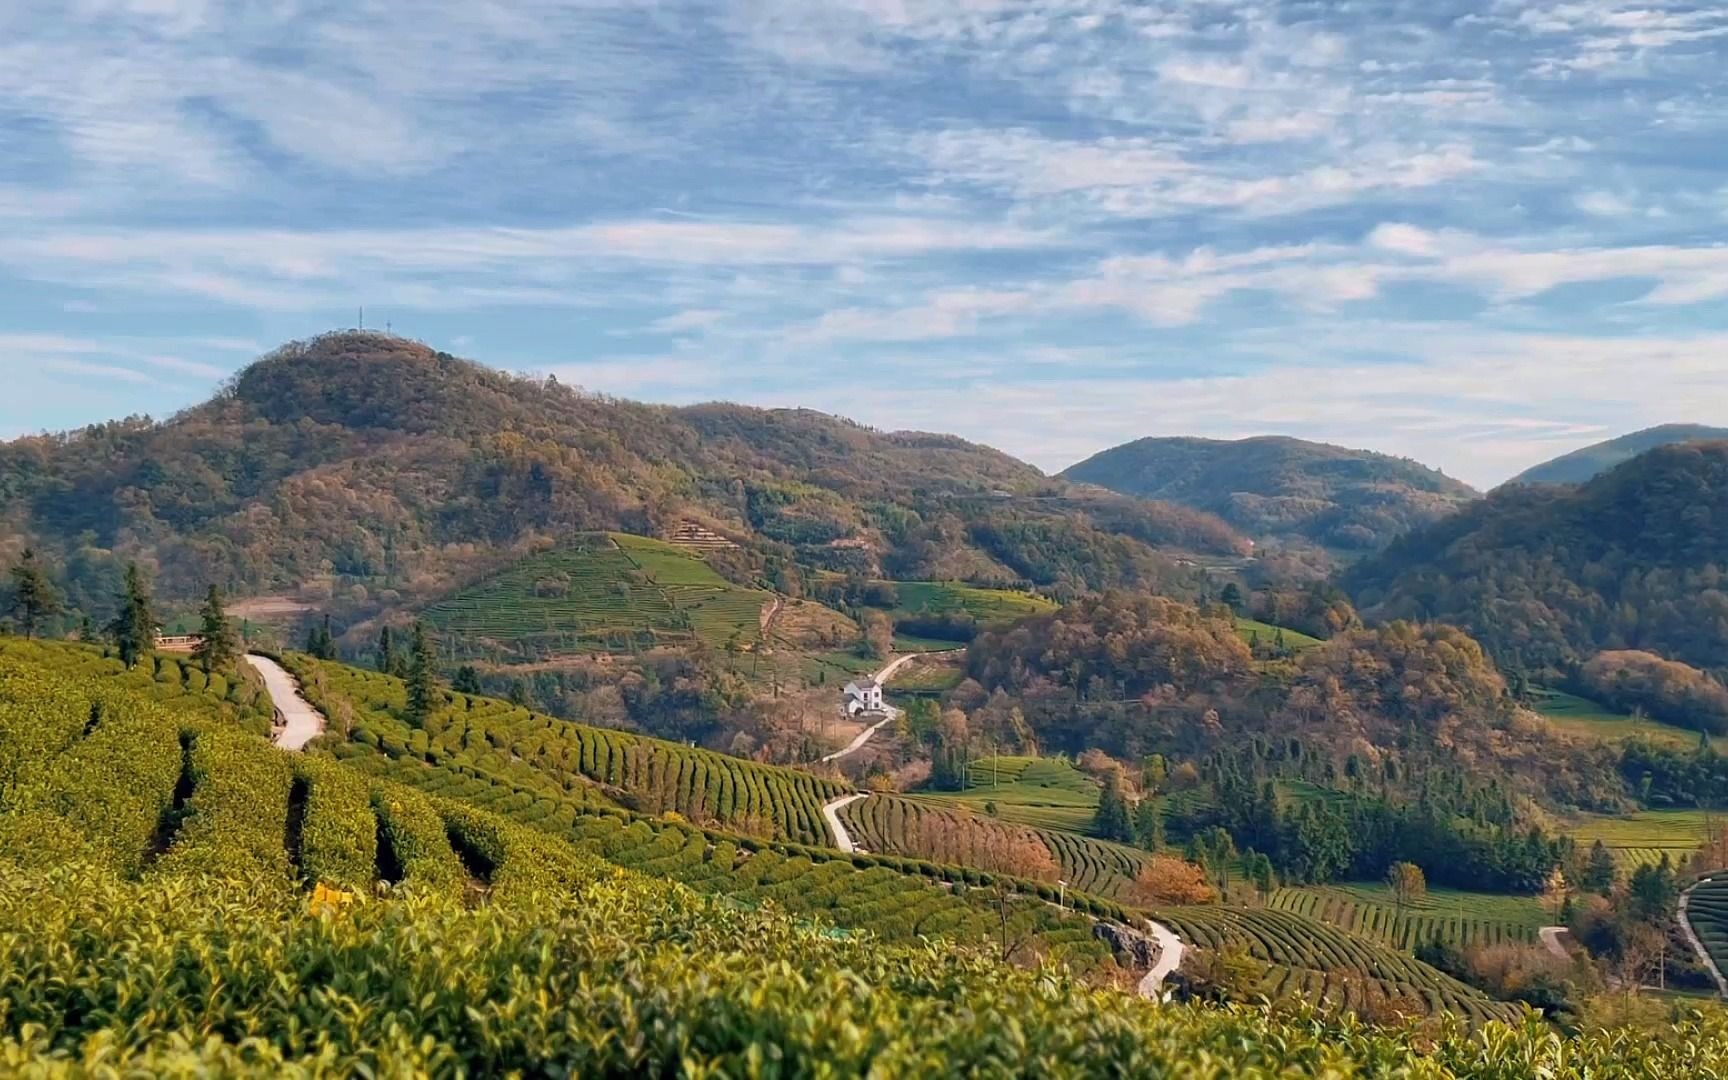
x=392 y=471
x=1274 y=486
x=1581 y=465
x=1546 y=576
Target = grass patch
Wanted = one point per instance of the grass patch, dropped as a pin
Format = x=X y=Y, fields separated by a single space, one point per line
x=1587 y=719
x=1267 y=635
x=991 y=607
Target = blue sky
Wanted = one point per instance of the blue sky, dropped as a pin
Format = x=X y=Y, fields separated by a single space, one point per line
x=1477 y=234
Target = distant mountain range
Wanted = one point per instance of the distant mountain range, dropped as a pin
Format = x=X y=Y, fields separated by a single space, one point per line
x=1353 y=500
x=1581 y=465
x=1548 y=576
x=389 y=472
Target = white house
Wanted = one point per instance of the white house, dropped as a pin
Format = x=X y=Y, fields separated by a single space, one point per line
x=863 y=697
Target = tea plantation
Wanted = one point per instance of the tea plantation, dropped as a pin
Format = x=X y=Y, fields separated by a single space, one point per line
x=606 y=591
x=179 y=898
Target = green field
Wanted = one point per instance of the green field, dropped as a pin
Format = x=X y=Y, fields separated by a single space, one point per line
x=1268 y=634
x=606 y=592
x=1645 y=836
x=1461 y=919
x=1585 y=718
x=991 y=607
x=1045 y=793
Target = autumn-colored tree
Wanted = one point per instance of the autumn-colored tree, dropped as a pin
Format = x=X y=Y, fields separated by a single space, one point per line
x=1407 y=882
x=877 y=641
x=1165 y=880
x=1554 y=892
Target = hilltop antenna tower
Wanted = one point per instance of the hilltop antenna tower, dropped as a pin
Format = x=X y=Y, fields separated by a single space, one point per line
x=362 y=316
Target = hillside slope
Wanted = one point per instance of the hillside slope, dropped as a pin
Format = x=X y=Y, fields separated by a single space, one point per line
x=1547 y=576
x=387 y=471
x=1282 y=487
x=1592 y=461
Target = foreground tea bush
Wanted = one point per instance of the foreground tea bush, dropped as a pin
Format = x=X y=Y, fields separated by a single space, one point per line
x=624 y=976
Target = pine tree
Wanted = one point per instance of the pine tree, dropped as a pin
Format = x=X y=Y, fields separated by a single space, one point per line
x=1112 y=822
x=218 y=645
x=389 y=659
x=1149 y=825
x=320 y=642
x=134 y=626
x=33 y=598
x=467 y=680
x=1599 y=871
x=422 y=676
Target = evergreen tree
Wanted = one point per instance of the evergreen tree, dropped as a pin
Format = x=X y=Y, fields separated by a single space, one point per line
x=1149 y=825
x=134 y=626
x=1259 y=870
x=467 y=680
x=33 y=598
x=1232 y=597
x=218 y=645
x=1599 y=871
x=1113 y=822
x=320 y=642
x=422 y=676
x=389 y=658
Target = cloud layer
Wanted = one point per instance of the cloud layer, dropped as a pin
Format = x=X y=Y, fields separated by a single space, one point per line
x=1473 y=232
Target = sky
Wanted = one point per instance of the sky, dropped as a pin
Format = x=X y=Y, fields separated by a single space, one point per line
x=1475 y=234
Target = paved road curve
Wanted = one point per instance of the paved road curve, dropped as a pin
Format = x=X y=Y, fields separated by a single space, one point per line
x=1169 y=959
x=301 y=722
x=1170 y=947
x=1550 y=936
x=831 y=811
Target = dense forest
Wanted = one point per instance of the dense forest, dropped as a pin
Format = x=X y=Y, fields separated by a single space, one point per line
x=384 y=471
x=1132 y=675
x=1546 y=577
x=1350 y=500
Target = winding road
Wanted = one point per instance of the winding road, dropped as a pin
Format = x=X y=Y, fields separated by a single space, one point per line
x=881 y=678
x=1170 y=950
x=831 y=811
x=1151 y=985
x=1550 y=936
x=301 y=723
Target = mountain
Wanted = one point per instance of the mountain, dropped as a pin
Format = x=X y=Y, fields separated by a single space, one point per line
x=1581 y=465
x=376 y=470
x=1274 y=486
x=1546 y=577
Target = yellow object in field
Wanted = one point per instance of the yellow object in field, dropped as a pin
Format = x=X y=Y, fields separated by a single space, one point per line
x=326 y=900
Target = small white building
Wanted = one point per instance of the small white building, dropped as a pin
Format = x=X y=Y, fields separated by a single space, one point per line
x=863 y=697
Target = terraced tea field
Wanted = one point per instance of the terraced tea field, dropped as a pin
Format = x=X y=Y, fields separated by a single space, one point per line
x=607 y=592
x=1707 y=911
x=1461 y=919
x=1645 y=836
x=928 y=829
x=1308 y=959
